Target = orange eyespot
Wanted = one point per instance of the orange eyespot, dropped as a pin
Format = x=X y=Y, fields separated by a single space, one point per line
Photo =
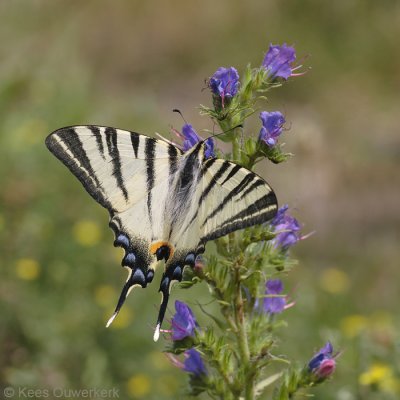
x=162 y=250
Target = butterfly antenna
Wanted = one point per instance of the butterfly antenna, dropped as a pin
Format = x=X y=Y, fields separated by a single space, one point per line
x=180 y=113
x=223 y=133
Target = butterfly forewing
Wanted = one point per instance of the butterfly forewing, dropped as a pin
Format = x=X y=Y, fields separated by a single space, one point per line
x=115 y=166
x=228 y=197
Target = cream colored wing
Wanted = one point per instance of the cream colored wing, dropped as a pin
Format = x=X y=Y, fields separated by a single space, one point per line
x=130 y=175
x=229 y=197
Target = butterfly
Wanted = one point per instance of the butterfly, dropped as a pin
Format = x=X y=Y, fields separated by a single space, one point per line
x=164 y=204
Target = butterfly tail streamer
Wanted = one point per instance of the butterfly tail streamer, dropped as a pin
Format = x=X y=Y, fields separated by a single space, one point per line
x=172 y=274
x=134 y=279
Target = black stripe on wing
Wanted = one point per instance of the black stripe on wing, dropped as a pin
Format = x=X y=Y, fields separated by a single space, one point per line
x=223 y=168
x=99 y=141
x=263 y=210
x=234 y=226
x=254 y=185
x=173 y=159
x=204 y=169
x=111 y=140
x=232 y=173
x=135 y=139
x=149 y=152
x=79 y=164
x=242 y=185
x=191 y=166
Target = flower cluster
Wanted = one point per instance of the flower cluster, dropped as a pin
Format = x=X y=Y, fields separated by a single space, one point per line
x=184 y=325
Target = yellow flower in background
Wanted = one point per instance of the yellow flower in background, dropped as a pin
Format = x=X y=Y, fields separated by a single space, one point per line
x=380 y=375
x=353 y=325
x=87 y=233
x=334 y=281
x=122 y=320
x=139 y=385
x=27 y=268
x=105 y=295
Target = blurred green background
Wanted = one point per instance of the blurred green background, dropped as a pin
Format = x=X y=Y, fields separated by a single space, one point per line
x=128 y=64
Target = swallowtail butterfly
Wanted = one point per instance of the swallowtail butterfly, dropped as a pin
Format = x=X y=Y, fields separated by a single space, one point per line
x=164 y=204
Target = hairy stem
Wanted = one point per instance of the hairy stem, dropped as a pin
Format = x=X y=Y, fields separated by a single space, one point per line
x=235 y=150
x=241 y=335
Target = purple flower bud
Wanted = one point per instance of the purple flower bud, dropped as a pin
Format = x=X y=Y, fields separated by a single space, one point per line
x=193 y=363
x=183 y=322
x=278 y=61
x=274 y=305
x=323 y=363
x=225 y=82
x=191 y=138
x=326 y=368
x=272 y=127
x=287 y=229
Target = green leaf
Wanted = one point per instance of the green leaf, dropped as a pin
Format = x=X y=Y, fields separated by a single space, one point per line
x=267 y=382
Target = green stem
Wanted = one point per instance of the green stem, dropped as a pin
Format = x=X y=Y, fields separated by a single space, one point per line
x=241 y=336
x=235 y=150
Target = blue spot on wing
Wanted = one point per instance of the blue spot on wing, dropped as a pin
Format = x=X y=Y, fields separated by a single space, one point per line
x=138 y=277
x=122 y=241
x=129 y=259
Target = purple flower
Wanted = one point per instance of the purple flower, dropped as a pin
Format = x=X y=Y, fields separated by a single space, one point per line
x=323 y=363
x=225 y=83
x=183 y=322
x=272 y=127
x=286 y=227
x=191 y=138
x=278 y=61
x=193 y=363
x=274 y=305
x=209 y=148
